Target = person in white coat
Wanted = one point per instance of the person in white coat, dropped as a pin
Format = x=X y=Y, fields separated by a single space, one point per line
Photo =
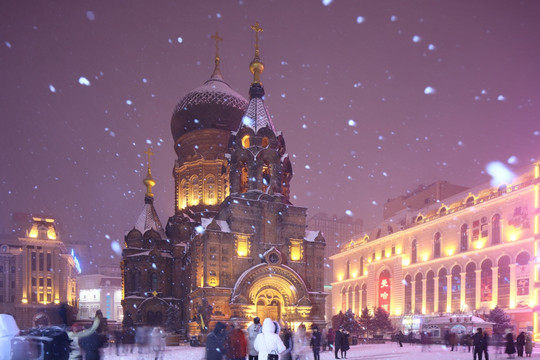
x=268 y=342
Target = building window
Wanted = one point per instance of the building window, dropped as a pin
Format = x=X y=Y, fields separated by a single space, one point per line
x=41 y=261
x=34 y=281
x=265 y=141
x=496 y=229
x=41 y=282
x=464 y=238
x=266 y=175
x=383 y=253
x=49 y=282
x=361 y=265
x=393 y=249
x=456 y=288
x=154 y=280
x=348 y=270
x=12 y=269
x=13 y=284
x=242 y=248
x=49 y=262
x=503 y=299
x=414 y=257
x=1 y=269
x=34 y=297
x=437 y=245
x=34 y=267
x=1 y=283
x=470 y=201
x=296 y=250
x=243 y=177
x=49 y=297
x=245 y=141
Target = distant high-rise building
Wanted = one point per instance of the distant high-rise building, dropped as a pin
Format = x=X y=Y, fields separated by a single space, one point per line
x=336 y=231
x=37 y=273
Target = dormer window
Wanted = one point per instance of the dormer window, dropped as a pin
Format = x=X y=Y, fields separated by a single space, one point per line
x=245 y=141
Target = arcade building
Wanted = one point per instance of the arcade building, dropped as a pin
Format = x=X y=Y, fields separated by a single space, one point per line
x=445 y=250
x=235 y=247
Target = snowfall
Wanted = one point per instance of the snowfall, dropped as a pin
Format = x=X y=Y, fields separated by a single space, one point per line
x=390 y=350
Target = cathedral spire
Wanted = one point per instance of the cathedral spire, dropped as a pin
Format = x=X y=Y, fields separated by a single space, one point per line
x=217 y=71
x=256 y=66
x=149 y=181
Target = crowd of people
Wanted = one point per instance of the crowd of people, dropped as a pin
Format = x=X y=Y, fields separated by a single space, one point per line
x=271 y=342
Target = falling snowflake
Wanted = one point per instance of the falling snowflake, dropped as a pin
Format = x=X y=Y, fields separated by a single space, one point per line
x=8 y=44
x=360 y=19
x=429 y=90
x=500 y=174
x=431 y=47
x=180 y=40
x=351 y=123
x=51 y=87
x=393 y=18
x=326 y=2
x=512 y=159
x=501 y=98
x=416 y=38
x=129 y=102
x=348 y=212
x=90 y=15
x=84 y=81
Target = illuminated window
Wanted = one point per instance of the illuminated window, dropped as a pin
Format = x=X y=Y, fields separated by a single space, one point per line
x=245 y=141
x=266 y=175
x=242 y=246
x=243 y=177
x=210 y=190
x=265 y=142
x=296 y=250
x=194 y=191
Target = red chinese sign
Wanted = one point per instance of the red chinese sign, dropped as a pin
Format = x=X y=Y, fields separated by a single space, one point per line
x=384 y=291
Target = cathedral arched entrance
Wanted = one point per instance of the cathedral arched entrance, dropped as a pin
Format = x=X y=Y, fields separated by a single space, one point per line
x=268 y=304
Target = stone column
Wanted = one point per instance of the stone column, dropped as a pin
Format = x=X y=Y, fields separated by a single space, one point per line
x=463 y=289
x=494 y=285
x=424 y=295
x=413 y=296
x=478 y=288
x=448 y=292
x=436 y=295
x=513 y=286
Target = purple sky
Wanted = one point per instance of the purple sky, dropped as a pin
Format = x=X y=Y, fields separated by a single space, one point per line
x=345 y=81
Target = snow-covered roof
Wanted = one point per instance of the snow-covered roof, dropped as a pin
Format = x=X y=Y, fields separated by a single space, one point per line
x=144 y=253
x=148 y=219
x=311 y=235
x=223 y=225
x=459 y=319
x=257 y=115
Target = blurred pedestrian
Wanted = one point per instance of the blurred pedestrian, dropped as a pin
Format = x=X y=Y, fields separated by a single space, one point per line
x=76 y=334
x=344 y=343
x=399 y=338
x=300 y=347
x=215 y=342
x=8 y=330
x=528 y=345
x=253 y=330
x=478 y=344
x=236 y=344
x=485 y=343
x=315 y=342
x=286 y=338
x=510 y=345
x=520 y=344
x=268 y=343
x=337 y=341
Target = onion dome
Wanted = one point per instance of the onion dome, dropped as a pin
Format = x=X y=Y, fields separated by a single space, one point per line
x=212 y=105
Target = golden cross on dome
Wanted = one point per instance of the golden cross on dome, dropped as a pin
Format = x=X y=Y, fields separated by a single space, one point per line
x=257 y=28
x=154 y=293
x=218 y=39
x=148 y=153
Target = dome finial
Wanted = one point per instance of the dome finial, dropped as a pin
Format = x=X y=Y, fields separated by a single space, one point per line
x=148 y=180
x=217 y=71
x=256 y=66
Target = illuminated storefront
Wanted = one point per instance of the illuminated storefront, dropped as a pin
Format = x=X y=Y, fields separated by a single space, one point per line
x=465 y=253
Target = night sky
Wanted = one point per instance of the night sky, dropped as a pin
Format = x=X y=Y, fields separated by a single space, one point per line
x=374 y=98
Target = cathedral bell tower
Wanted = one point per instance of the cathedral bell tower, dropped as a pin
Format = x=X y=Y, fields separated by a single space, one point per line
x=258 y=160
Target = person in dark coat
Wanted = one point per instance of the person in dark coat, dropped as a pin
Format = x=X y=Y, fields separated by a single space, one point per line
x=520 y=344
x=400 y=338
x=510 y=346
x=215 y=342
x=485 y=345
x=337 y=341
x=344 y=343
x=315 y=342
x=330 y=337
x=478 y=344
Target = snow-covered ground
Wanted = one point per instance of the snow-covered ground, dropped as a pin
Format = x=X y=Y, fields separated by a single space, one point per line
x=378 y=352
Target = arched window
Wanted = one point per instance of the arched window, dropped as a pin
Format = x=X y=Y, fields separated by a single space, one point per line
x=266 y=175
x=442 y=212
x=344 y=299
x=408 y=289
x=456 y=288
x=437 y=245
x=210 y=190
x=496 y=229
x=414 y=255
x=464 y=238
x=470 y=201
x=194 y=190
x=470 y=286
x=136 y=281
x=443 y=290
x=245 y=141
x=243 y=177
x=153 y=282
x=430 y=292
x=418 y=293
x=182 y=195
x=503 y=282
x=265 y=142
x=361 y=265
x=486 y=281
x=523 y=258
x=350 y=298
x=348 y=270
